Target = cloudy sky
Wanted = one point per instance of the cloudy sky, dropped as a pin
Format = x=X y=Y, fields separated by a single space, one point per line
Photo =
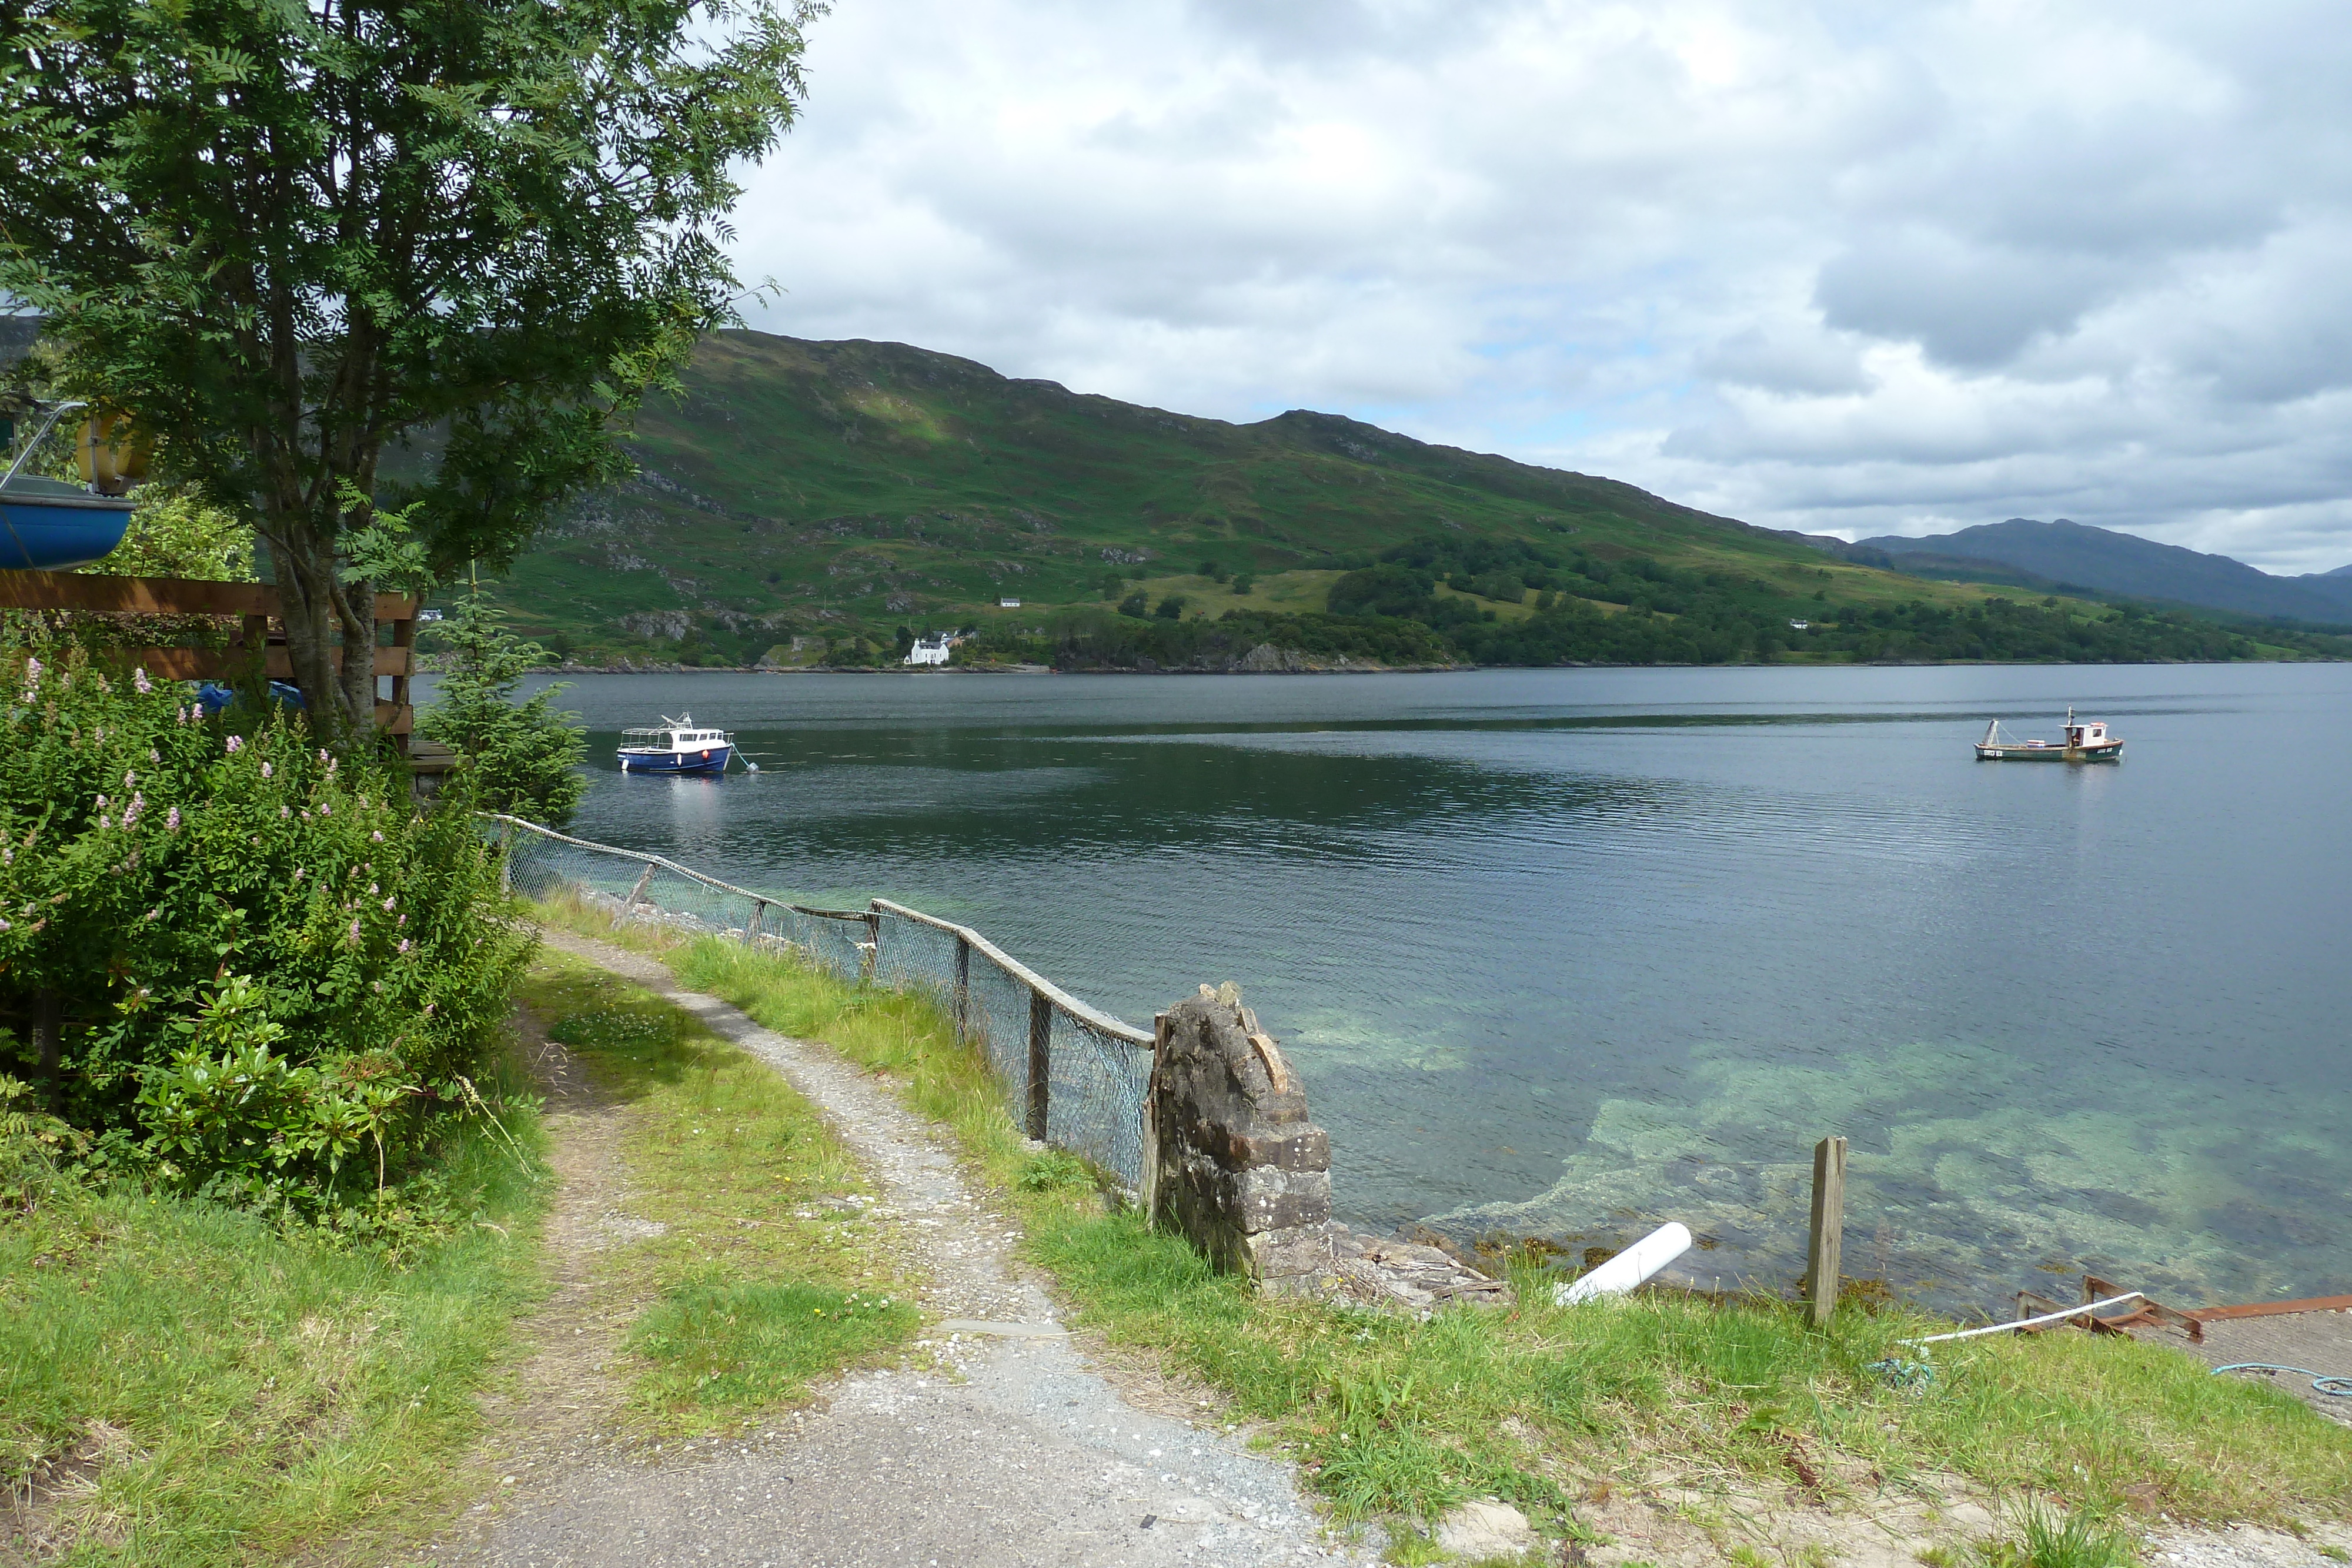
x=1854 y=268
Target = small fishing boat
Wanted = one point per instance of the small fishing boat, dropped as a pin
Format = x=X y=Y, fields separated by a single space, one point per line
x=49 y=525
x=677 y=746
x=2086 y=742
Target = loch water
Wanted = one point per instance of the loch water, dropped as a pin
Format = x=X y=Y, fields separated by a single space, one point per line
x=1566 y=953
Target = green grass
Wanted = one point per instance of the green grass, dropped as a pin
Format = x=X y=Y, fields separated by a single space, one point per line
x=765 y=1277
x=1391 y=1416
x=221 y=1393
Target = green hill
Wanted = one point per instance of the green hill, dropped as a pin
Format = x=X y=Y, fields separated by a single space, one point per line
x=823 y=493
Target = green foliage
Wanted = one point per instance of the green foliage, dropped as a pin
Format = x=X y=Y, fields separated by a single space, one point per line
x=1054 y=1170
x=2044 y=1538
x=254 y=952
x=447 y=242
x=522 y=757
x=1170 y=608
x=175 y=533
x=1135 y=604
x=1089 y=639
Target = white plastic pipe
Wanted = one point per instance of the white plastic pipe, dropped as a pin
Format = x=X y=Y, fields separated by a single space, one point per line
x=1629 y=1268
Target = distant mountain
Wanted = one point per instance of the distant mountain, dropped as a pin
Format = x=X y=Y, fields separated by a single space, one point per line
x=2063 y=553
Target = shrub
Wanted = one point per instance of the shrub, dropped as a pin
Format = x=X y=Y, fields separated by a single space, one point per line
x=229 y=953
x=520 y=757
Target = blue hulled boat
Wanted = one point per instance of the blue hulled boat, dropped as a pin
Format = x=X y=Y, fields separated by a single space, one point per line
x=49 y=525
x=677 y=746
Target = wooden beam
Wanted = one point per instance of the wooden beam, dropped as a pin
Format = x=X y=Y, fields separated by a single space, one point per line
x=159 y=596
x=2271 y=1309
x=218 y=664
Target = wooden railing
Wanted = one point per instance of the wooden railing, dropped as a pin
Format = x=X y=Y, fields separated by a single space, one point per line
x=254 y=605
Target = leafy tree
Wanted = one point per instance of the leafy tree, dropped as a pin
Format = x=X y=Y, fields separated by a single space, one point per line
x=1170 y=608
x=1137 y=604
x=520 y=758
x=324 y=250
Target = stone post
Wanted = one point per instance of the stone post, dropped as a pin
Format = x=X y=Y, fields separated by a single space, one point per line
x=1238 y=1169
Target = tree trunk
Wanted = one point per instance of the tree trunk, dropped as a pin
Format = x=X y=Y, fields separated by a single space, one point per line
x=324 y=619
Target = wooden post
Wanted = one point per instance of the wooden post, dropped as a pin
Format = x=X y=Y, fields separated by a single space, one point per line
x=403 y=639
x=1150 y=1194
x=1829 y=1228
x=759 y=918
x=636 y=892
x=963 y=986
x=1040 y=1060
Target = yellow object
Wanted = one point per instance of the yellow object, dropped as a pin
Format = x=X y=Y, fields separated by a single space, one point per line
x=112 y=458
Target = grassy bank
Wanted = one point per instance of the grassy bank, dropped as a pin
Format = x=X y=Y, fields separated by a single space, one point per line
x=760 y=1269
x=1548 y=1406
x=182 y=1383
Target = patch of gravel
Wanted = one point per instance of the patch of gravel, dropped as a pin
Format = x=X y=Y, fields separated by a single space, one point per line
x=1011 y=1447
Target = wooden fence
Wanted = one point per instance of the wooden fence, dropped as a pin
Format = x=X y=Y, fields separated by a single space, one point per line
x=253 y=605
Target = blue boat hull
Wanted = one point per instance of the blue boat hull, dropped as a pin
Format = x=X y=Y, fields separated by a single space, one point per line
x=49 y=533
x=710 y=760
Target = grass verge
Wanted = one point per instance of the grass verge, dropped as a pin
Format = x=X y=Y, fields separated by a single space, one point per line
x=185 y=1384
x=768 y=1270
x=1539 y=1404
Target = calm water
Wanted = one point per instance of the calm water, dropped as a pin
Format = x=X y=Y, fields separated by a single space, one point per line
x=1565 y=953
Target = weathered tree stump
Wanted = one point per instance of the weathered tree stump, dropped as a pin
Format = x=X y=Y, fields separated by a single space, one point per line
x=1238 y=1169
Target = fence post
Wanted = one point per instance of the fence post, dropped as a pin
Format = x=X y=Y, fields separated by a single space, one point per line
x=1150 y=1192
x=759 y=918
x=870 y=957
x=963 y=986
x=1829 y=1228
x=1040 y=1060
x=637 y=892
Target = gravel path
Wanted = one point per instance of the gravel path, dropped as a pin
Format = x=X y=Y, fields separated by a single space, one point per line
x=1009 y=1450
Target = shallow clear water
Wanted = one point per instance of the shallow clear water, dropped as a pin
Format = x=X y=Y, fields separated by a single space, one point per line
x=1567 y=952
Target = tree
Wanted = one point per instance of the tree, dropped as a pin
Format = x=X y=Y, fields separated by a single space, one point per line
x=520 y=758
x=430 y=250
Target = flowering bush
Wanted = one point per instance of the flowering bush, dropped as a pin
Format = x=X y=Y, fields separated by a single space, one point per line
x=228 y=950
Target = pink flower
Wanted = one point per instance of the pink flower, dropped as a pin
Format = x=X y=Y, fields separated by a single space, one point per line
x=355 y=931
x=130 y=812
x=324 y=810
x=171 y=820
x=322 y=754
x=130 y=780
x=300 y=873
x=377 y=835
x=154 y=756
x=266 y=771
x=284 y=812
x=101 y=803
x=105 y=821
x=403 y=944
x=430 y=1007
x=139 y=678
x=235 y=743
x=387 y=906
x=32 y=671
x=6 y=926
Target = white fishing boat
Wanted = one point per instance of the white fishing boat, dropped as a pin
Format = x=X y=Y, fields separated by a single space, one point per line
x=679 y=746
x=2087 y=740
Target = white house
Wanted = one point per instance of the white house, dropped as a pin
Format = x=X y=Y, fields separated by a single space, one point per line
x=1801 y=626
x=1008 y=604
x=931 y=649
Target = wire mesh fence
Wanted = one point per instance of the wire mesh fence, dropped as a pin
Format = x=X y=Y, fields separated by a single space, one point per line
x=1076 y=1076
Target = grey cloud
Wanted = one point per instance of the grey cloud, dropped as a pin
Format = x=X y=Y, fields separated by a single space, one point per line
x=1787 y=362
x=1973 y=305
x=1816 y=265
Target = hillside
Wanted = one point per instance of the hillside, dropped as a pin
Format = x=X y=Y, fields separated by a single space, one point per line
x=2024 y=552
x=804 y=496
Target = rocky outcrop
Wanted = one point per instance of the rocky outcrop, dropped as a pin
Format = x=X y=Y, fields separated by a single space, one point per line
x=1237 y=1166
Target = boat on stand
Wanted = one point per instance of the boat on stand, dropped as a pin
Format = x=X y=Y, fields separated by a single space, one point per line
x=2087 y=740
x=677 y=745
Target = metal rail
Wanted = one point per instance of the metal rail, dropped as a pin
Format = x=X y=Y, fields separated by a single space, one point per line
x=1077 y=1074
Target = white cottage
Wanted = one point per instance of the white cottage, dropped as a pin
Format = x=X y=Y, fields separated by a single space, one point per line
x=930 y=649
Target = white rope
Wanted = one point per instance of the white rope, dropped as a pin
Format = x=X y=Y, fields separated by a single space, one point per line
x=2030 y=1323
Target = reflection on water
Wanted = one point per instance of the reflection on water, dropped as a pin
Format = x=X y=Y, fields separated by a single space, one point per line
x=1565 y=951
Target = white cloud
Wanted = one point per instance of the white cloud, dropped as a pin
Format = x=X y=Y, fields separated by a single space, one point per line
x=1836 y=266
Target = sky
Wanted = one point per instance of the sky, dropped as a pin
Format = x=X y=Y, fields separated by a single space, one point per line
x=1853 y=269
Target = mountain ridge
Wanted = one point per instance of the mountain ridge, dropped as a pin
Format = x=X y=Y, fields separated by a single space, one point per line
x=2067 y=553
